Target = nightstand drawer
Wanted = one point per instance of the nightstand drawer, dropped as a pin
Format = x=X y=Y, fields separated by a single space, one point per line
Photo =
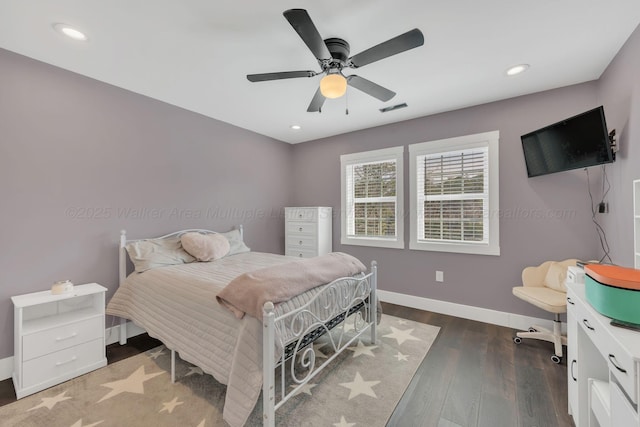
x=62 y=363
x=51 y=340
x=301 y=228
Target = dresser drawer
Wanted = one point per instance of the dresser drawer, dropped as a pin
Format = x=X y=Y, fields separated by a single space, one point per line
x=61 y=363
x=51 y=340
x=301 y=242
x=590 y=322
x=300 y=253
x=295 y=228
x=623 y=367
x=301 y=214
x=622 y=413
x=619 y=361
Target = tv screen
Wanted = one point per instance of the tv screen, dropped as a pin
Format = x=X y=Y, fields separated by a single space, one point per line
x=577 y=142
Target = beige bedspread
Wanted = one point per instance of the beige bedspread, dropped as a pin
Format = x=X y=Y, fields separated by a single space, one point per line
x=249 y=292
x=177 y=305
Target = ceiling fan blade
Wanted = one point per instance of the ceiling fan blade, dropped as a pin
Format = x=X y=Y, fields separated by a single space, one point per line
x=370 y=88
x=277 y=76
x=302 y=23
x=401 y=43
x=316 y=102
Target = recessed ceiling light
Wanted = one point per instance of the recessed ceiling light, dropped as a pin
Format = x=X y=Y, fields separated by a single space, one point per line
x=295 y=127
x=517 y=69
x=70 y=32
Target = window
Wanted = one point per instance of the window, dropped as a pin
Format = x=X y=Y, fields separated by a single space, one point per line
x=372 y=198
x=454 y=195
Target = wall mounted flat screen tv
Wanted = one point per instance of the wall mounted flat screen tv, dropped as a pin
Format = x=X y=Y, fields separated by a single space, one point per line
x=577 y=142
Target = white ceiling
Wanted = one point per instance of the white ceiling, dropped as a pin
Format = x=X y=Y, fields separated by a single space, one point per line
x=196 y=53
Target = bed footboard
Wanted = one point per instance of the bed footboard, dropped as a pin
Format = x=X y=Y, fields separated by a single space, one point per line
x=342 y=310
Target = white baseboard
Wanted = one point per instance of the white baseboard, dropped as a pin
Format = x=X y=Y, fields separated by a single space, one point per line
x=111 y=336
x=500 y=318
x=6 y=368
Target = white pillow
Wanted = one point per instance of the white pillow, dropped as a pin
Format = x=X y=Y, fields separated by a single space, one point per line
x=205 y=247
x=235 y=241
x=152 y=253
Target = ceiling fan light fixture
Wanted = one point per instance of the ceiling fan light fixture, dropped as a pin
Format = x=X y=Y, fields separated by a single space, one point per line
x=333 y=86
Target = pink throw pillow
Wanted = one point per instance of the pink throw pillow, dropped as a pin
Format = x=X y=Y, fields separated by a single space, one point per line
x=205 y=247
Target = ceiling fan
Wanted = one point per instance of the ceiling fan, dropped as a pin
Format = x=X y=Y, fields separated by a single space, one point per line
x=333 y=56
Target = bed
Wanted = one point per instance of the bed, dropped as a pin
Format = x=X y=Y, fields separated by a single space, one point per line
x=175 y=302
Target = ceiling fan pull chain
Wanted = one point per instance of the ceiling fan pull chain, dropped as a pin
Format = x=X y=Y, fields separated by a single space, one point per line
x=346 y=100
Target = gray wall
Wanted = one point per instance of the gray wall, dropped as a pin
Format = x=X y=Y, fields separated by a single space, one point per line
x=619 y=92
x=79 y=159
x=527 y=235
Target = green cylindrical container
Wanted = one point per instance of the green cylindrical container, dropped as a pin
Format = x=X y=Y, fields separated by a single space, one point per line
x=614 y=291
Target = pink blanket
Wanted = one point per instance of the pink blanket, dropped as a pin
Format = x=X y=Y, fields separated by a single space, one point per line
x=248 y=292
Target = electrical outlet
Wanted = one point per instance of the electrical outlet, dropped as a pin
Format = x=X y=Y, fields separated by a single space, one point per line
x=439 y=276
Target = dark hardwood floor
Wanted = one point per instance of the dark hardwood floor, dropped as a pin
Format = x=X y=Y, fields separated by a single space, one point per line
x=474 y=375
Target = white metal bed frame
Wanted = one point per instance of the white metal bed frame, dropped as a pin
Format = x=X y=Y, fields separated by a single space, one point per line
x=339 y=302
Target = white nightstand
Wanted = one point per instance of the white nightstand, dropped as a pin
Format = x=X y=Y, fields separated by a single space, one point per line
x=57 y=337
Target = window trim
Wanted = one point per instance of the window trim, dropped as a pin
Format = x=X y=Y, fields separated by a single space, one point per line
x=486 y=139
x=392 y=153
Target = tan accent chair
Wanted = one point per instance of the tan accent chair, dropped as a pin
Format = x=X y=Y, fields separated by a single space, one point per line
x=544 y=286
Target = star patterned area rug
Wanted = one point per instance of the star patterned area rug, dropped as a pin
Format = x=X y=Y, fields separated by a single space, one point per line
x=360 y=387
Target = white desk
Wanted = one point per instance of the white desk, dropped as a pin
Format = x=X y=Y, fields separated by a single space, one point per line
x=603 y=364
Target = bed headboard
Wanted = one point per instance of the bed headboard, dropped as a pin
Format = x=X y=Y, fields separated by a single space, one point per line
x=122 y=252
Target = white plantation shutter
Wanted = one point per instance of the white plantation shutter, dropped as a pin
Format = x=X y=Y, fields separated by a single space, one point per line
x=372 y=197
x=454 y=194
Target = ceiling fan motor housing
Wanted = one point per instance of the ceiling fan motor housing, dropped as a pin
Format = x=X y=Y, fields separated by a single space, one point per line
x=338 y=48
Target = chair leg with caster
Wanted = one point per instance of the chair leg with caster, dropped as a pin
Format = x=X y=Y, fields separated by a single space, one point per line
x=544 y=334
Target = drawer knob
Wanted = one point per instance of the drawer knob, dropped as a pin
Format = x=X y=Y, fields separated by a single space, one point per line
x=300 y=242
x=300 y=229
x=73 y=359
x=300 y=216
x=612 y=359
x=73 y=335
x=586 y=323
x=300 y=255
x=570 y=301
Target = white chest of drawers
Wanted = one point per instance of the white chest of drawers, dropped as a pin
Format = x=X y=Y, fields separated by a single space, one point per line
x=308 y=231
x=603 y=366
x=57 y=337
